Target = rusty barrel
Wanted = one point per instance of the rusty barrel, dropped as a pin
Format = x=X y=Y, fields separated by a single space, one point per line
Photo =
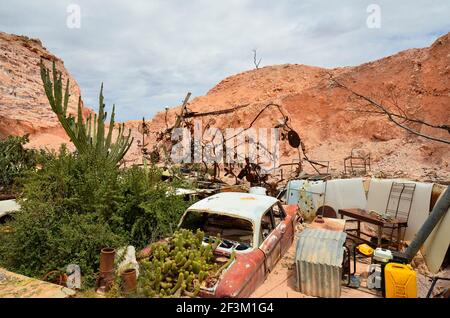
x=129 y=281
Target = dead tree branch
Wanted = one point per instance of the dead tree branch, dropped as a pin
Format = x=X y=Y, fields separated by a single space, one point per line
x=394 y=117
x=255 y=60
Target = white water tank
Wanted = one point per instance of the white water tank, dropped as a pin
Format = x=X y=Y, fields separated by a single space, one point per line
x=258 y=190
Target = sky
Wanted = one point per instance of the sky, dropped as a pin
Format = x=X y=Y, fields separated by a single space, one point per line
x=149 y=54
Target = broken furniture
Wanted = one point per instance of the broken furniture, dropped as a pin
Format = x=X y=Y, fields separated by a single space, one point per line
x=358 y=161
x=319 y=257
x=399 y=208
x=348 y=274
x=360 y=215
x=351 y=193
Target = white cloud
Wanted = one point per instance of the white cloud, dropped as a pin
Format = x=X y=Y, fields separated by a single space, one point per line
x=150 y=53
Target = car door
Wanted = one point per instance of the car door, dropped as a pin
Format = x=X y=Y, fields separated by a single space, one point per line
x=285 y=224
x=271 y=245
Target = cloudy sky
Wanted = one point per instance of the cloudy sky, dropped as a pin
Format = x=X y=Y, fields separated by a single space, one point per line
x=150 y=53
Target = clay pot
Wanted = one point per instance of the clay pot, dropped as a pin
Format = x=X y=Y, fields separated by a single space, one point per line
x=129 y=281
x=107 y=259
x=107 y=256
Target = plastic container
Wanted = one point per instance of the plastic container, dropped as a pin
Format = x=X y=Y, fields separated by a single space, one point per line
x=400 y=281
x=365 y=249
x=258 y=190
x=382 y=255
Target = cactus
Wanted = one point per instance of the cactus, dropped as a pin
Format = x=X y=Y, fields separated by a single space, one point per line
x=179 y=266
x=87 y=136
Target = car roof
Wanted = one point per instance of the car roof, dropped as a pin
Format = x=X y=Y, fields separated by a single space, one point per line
x=243 y=205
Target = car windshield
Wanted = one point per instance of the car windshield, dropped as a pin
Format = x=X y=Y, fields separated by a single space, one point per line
x=219 y=225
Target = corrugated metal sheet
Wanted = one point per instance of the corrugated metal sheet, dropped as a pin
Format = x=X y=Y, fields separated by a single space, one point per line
x=318 y=259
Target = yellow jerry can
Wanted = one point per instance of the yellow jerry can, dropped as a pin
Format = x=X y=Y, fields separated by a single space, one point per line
x=400 y=281
x=365 y=249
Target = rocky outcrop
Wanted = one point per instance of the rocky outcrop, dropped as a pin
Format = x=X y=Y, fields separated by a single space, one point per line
x=331 y=122
x=24 y=108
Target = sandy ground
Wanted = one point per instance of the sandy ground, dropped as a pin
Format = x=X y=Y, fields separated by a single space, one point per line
x=281 y=281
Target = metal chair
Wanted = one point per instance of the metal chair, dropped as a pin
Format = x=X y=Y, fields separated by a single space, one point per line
x=399 y=207
x=358 y=160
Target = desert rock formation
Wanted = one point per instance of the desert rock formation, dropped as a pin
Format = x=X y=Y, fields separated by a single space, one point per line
x=24 y=108
x=329 y=120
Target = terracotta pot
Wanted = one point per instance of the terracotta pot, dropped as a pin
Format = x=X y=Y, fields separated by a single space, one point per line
x=107 y=259
x=106 y=278
x=128 y=281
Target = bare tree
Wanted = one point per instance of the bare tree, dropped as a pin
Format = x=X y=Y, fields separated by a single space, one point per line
x=255 y=59
x=398 y=117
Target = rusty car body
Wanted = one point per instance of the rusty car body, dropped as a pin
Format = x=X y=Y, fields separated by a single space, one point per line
x=235 y=215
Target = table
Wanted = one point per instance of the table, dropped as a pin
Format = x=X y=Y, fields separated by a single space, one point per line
x=360 y=215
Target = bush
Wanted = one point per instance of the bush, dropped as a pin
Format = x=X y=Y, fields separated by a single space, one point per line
x=15 y=162
x=66 y=216
x=42 y=239
x=77 y=204
x=149 y=208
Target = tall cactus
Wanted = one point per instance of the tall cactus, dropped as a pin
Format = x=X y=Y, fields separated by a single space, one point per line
x=89 y=136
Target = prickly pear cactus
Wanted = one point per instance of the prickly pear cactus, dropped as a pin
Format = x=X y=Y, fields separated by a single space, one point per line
x=180 y=266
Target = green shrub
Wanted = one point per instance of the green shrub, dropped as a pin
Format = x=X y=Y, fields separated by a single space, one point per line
x=15 y=162
x=77 y=204
x=67 y=215
x=149 y=209
x=42 y=239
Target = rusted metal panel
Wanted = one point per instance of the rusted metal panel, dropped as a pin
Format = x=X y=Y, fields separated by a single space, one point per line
x=272 y=247
x=243 y=276
x=319 y=256
x=249 y=271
